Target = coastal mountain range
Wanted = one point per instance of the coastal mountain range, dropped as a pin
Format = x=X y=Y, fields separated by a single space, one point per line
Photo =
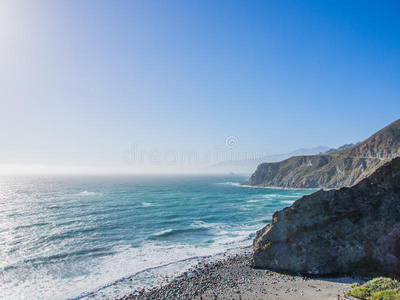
x=331 y=170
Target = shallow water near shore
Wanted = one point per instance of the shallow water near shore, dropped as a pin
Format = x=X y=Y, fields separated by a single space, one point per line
x=67 y=237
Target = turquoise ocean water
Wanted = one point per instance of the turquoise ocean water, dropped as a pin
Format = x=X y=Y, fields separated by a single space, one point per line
x=88 y=237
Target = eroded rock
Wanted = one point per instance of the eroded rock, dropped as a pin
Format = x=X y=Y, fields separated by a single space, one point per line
x=331 y=231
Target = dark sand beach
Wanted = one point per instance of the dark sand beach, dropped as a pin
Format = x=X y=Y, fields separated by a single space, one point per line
x=234 y=278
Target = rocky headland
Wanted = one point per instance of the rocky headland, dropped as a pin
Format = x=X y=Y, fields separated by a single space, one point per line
x=337 y=231
x=332 y=170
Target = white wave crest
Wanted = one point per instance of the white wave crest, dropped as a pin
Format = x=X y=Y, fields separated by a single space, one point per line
x=288 y=202
x=86 y=193
x=163 y=232
x=231 y=183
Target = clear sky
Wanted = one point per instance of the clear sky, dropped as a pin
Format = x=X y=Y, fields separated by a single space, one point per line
x=83 y=81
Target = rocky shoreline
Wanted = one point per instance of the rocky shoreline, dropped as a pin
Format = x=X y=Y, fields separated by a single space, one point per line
x=234 y=278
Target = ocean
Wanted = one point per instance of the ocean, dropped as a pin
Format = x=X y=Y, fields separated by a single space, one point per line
x=99 y=237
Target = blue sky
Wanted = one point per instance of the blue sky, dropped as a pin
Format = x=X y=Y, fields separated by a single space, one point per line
x=82 y=81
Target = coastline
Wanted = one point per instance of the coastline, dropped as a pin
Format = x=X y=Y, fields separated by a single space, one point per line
x=281 y=188
x=232 y=277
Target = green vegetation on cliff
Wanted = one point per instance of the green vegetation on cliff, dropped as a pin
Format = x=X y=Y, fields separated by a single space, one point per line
x=377 y=289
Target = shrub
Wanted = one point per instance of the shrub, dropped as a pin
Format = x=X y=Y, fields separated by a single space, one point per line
x=360 y=292
x=381 y=284
x=380 y=288
x=386 y=295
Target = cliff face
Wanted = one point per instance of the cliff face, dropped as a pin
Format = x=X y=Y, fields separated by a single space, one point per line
x=334 y=170
x=319 y=171
x=329 y=231
x=384 y=144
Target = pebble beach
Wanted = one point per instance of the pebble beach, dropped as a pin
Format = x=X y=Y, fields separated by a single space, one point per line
x=234 y=278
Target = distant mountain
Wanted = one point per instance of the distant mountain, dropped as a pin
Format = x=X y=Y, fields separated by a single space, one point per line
x=301 y=151
x=247 y=166
x=344 y=147
x=333 y=170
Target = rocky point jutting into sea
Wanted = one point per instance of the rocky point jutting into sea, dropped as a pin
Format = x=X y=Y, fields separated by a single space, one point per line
x=335 y=231
x=333 y=170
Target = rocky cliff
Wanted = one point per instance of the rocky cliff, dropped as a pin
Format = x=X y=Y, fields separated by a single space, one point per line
x=333 y=170
x=384 y=144
x=333 y=231
x=318 y=171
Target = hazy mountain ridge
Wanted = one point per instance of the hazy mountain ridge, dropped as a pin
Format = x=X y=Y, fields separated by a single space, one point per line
x=250 y=164
x=343 y=147
x=333 y=170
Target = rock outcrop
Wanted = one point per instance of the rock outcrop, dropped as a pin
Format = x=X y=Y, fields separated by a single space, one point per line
x=333 y=170
x=331 y=231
